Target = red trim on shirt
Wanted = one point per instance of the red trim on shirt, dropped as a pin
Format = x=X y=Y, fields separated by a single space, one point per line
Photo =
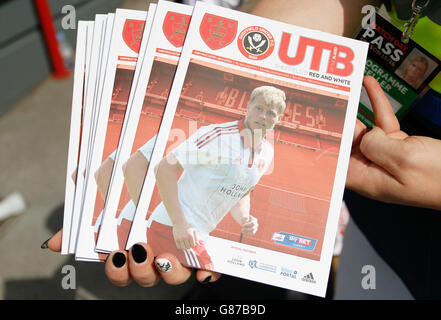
x=233 y=129
x=209 y=139
x=215 y=130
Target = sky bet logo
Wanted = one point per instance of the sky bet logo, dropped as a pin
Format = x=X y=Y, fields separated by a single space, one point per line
x=294 y=241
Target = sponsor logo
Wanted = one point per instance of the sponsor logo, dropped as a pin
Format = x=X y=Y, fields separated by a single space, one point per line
x=255 y=43
x=294 y=241
x=309 y=278
x=254 y=264
x=233 y=191
x=288 y=273
x=278 y=237
x=237 y=261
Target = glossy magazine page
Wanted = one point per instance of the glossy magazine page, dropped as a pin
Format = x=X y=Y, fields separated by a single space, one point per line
x=125 y=43
x=75 y=130
x=89 y=112
x=136 y=145
x=249 y=166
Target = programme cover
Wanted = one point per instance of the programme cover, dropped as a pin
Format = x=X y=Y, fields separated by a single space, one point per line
x=89 y=111
x=125 y=45
x=105 y=42
x=246 y=161
x=75 y=129
x=141 y=126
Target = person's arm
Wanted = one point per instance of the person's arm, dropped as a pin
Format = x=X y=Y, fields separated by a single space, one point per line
x=134 y=171
x=167 y=181
x=241 y=214
x=388 y=165
x=341 y=17
x=103 y=175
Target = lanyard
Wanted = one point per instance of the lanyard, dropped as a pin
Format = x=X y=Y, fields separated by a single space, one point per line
x=410 y=25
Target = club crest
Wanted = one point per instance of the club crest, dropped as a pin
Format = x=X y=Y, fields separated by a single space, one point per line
x=217 y=32
x=132 y=33
x=175 y=27
x=255 y=43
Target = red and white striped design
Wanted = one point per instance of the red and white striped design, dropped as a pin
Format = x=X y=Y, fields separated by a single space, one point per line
x=215 y=133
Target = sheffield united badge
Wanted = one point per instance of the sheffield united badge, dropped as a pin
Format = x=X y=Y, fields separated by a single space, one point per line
x=255 y=43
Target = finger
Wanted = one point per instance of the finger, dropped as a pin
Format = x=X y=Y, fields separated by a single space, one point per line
x=117 y=270
x=141 y=266
x=185 y=244
x=384 y=115
x=250 y=233
x=360 y=129
x=250 y=224
x=179 y=245
x=171 y=270
x=54 y=242
x=253 y=222
x=206 y=276
x=245 y=220
x=355 y=179
x=247 y=227
x=247 y=233
x=249 y=230
x=188 y=244
x=386 y=152
x=196 y=238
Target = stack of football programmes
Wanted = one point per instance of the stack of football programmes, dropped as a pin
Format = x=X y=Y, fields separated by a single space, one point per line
x=233 y=129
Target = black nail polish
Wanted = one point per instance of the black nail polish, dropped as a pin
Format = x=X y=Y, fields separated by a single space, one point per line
x=206 y=280
x=119 y=259
x=138 y=253
x=44 y=245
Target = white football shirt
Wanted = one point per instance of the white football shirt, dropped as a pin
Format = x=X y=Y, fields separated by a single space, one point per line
x=220 y=167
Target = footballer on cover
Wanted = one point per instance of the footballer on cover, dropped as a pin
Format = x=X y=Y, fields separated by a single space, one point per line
x=125 y=45
x=250 y=161
x=136 y=145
